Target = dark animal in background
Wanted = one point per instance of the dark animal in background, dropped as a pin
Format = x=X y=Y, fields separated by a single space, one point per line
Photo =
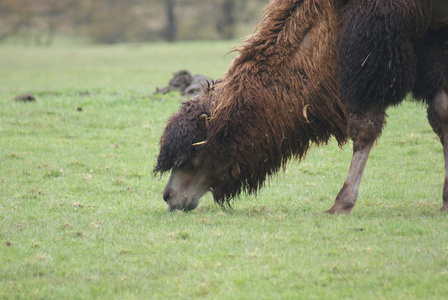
x=187 y=84
x=25 y=98
x=313 y=69
x=180 y=81
x=198 y=83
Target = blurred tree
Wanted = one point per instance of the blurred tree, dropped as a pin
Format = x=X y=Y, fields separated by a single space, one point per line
x=39 y=18
x=171 y=20
x=114 y=21
x=225 y=24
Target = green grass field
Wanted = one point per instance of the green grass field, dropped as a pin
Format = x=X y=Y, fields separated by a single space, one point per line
x=82 y=217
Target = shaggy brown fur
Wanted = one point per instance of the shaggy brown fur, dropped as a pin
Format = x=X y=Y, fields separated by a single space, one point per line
x=282 y=94
x=279 y=96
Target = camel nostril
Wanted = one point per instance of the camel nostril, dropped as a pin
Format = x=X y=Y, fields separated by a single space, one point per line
x=166 y=196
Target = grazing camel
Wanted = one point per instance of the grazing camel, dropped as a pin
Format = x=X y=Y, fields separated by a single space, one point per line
x=313 y=69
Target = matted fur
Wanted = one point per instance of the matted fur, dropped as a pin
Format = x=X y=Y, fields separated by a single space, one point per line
x=279 y=96
x=377 y=61
x=181 y=132
x=432 y=67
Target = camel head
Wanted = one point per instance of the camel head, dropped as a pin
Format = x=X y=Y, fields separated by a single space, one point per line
x=182 y=153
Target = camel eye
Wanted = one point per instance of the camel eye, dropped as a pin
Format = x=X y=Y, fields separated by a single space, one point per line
x=196 y=162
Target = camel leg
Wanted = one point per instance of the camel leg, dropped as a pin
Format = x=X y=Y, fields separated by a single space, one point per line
x=364 y=129
x=438 y=118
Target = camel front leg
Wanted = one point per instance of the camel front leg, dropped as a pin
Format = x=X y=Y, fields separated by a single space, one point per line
x=346 y=198
x=364 y=129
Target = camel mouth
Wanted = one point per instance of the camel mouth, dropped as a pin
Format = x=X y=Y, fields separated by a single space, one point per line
x=184 y=189
x=184 y=205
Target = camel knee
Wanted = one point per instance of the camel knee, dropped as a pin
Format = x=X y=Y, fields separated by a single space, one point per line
x=365 y=128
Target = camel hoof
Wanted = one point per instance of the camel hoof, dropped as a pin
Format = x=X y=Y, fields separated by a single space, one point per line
x=341 y=208
x=444 y=207
x=333 y=211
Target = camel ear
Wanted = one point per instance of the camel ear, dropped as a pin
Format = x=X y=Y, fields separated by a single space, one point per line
x=203 y=123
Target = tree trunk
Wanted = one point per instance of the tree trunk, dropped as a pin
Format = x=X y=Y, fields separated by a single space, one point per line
x=226 y=23
x=171 y=25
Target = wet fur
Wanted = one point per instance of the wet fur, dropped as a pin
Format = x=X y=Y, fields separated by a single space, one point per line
x=377 y=61
x=180 y=135
x=282 y=93
x=279 y=96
